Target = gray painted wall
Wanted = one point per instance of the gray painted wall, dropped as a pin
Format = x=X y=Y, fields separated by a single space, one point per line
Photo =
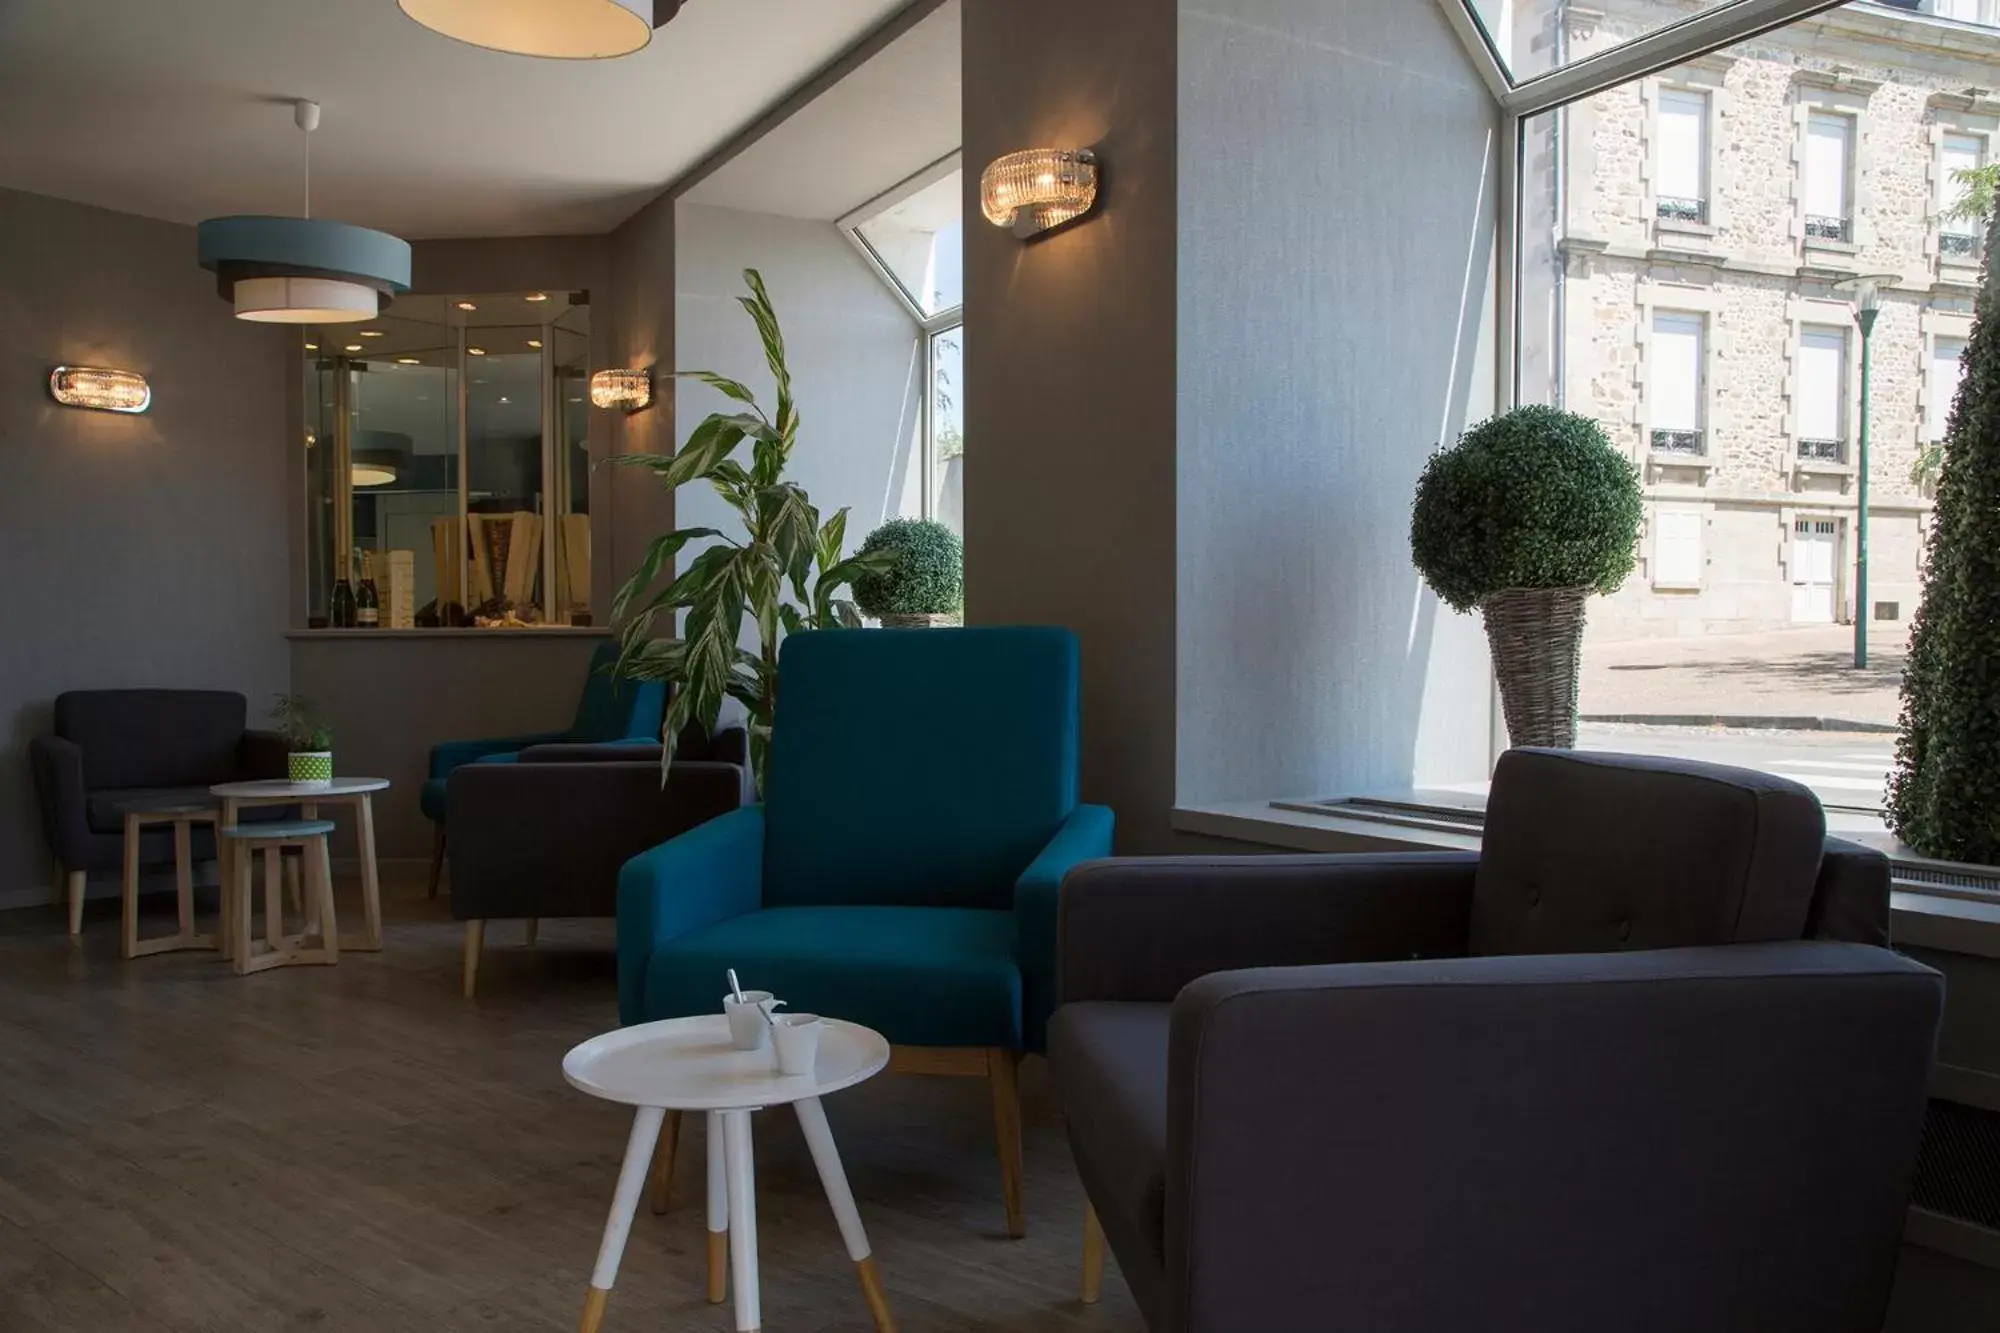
x=1338 y=170
x=642 y=332
x=138 y=550
x=1070 y=376
x=854 y=351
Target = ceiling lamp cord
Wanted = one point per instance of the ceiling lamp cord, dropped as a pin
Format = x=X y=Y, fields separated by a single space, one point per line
x=307 y=115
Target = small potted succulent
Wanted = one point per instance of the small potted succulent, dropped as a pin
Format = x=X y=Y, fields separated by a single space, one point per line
x=310 y=761
x=921 y=580
x=1524 y=518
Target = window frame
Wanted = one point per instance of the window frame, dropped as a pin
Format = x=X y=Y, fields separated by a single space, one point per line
x=850 y=225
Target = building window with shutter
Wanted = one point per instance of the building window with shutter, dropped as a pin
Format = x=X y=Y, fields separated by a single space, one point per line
x=1947 y=370
x=1674 y=384
x=1677 y=555
x=1821 y=386
x=1680 y=157
x=1829 y=172
x=1958 y=237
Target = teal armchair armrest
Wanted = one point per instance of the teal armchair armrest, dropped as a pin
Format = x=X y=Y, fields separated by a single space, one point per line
x=448 y=755
x=708 y=874
x=1084 y=836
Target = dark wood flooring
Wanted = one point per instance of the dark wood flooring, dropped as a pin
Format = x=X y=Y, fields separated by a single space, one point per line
x=362 y=1149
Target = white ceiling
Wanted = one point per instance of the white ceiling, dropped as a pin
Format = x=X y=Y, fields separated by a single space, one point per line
x=178 y=109
x=877 y=127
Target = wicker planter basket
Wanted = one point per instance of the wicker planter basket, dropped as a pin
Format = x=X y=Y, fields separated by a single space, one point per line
x=1537 y=639
x=919 y=621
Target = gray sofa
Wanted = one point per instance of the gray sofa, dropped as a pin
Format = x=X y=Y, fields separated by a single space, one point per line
x=546 y=835
x=1642 y=1064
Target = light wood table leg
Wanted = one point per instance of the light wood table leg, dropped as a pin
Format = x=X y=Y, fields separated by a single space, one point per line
x=1093 y=1255
x=826 y=1157
x=371 y=882
x=718 y=1212
x=740 y=1163
x=274 y=902
x=618 y=1226
x=128 y=935
x=75 y=884
x=318 y=863
x=225 y=872
x=241 y=868
x=475 y=940
x=184 y=876
x=663 y=1163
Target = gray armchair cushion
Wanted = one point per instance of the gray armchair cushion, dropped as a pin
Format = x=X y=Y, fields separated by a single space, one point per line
x=153 y=738
x=1588 y=853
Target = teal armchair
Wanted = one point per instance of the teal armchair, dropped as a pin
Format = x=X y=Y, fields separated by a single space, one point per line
x=609 y=711
x=920 y=812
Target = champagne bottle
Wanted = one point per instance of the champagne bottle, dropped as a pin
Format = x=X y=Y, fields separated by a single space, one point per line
x=368 y=604
x=340 y=609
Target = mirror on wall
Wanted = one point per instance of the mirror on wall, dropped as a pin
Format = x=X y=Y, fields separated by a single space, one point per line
x=448 y=464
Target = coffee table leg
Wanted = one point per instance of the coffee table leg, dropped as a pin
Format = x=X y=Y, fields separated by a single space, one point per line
x=371 y=884
x=819 y=1138
x=631 y=1184
x=742 y=1218
x=718 y=1212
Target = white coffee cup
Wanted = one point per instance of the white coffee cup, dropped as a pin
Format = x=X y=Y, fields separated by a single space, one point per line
x=746 y=1019
x=797 y=1039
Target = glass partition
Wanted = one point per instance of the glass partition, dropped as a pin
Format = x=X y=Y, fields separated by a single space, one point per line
x=448 y=464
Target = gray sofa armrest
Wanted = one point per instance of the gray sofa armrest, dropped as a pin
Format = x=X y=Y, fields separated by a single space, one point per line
x=537 y=839
x=1140 y=928
x=1851 y=898
x=57 y=765
x=1548 y=1142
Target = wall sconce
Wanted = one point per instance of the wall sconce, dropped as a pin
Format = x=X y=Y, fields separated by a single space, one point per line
x=1036 y=191
x=106 y=390
x=626 y=389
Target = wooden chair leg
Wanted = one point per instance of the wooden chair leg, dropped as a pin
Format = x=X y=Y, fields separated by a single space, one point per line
x=1093 y=1255
x=437 y=858
x=128 y=936
x=1001 y=1075
x=74 y=884
x=663 y=1163
x=475 y=940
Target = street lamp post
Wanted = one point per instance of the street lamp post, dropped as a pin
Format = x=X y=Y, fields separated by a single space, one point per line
x=1867 y=304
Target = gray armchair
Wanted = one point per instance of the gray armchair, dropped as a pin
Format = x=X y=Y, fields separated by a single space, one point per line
x=1643 y=1064
x=546 y=835
x=114 y=747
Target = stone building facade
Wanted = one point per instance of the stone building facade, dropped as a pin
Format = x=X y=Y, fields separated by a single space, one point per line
x=1706 y=330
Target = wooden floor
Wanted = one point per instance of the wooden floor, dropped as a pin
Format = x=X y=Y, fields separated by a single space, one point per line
x=360 y=1148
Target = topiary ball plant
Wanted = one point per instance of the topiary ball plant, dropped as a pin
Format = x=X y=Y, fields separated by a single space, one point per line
x=924 y=577
x=1525 y=517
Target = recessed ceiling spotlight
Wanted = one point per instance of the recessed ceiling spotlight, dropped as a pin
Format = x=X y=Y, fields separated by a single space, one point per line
x=538 y=296
x=312 y=347
x=534 y=342
x=475 y=351
x=354 y=347
x=369 y=333
x=466 y=305
x=505 y=399
x=408 y=361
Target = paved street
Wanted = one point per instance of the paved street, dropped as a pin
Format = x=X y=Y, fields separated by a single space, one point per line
x=1794 y=673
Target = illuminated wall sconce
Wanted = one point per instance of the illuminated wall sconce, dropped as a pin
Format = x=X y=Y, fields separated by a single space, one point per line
x=626 y=389
x=1036 y=191
x=106 y=390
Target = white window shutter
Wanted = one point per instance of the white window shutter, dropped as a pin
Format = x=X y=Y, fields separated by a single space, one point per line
x=1947 y=370
x=1822 y=384
x=1674 y=385
x=1960 y=152
x=1682 y=149
x=1827 y=158
x=1677 y=561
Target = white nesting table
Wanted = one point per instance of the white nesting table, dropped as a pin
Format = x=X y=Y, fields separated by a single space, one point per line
x=688 y=1064
x=357 y=792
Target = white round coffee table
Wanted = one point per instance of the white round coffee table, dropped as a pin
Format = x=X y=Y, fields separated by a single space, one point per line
x=688 y=1064
x=357 y=792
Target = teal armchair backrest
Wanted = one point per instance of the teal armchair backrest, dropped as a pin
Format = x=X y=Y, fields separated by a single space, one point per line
x=617 y=710
x=919 y=767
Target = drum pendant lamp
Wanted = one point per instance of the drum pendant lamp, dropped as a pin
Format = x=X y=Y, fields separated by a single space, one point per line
x=554 y=29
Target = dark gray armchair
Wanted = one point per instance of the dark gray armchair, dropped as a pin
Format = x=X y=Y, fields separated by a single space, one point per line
x=1642 y=1064
x=546 y=835
x=114 y=747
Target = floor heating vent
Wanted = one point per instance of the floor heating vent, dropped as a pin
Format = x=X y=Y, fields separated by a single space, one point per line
x=1958 y=1167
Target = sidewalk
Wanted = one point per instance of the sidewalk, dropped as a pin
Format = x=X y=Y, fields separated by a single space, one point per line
x=1754 y=679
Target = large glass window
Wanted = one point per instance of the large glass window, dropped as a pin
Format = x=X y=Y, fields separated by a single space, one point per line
x=448 y=464
x=915 y=237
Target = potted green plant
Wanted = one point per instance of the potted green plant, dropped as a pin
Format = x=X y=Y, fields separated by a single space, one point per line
x=1524 y=518
x=921 y=582
x=310 y=760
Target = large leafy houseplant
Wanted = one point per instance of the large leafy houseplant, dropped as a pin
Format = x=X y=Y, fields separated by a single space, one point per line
x=783 y=573
x=1524 y=518
x=1944 y=796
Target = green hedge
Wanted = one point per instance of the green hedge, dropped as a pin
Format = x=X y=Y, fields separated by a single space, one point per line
x=926 y=577
x=1533 y=498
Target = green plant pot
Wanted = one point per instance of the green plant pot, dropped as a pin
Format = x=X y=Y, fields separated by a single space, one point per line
x=310 y=768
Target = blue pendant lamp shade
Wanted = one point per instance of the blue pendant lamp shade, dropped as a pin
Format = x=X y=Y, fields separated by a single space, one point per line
x=303 y=270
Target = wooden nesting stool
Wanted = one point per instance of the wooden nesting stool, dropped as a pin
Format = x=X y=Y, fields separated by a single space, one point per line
x=277 y=948
x=183 y=816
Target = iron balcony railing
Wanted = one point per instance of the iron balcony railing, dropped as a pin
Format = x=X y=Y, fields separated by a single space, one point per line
x=1958 y=245
x=1823 y=451
x=1673 y=209
x=1820 y=228
x=1678 y=442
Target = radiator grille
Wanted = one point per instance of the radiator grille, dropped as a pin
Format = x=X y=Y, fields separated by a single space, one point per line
x=1958 y=1167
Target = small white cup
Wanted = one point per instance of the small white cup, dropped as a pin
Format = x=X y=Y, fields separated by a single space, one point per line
x=797 y=1039
x=746 y=1019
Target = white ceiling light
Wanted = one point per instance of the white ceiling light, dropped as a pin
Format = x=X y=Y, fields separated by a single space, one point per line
x=557 y=29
